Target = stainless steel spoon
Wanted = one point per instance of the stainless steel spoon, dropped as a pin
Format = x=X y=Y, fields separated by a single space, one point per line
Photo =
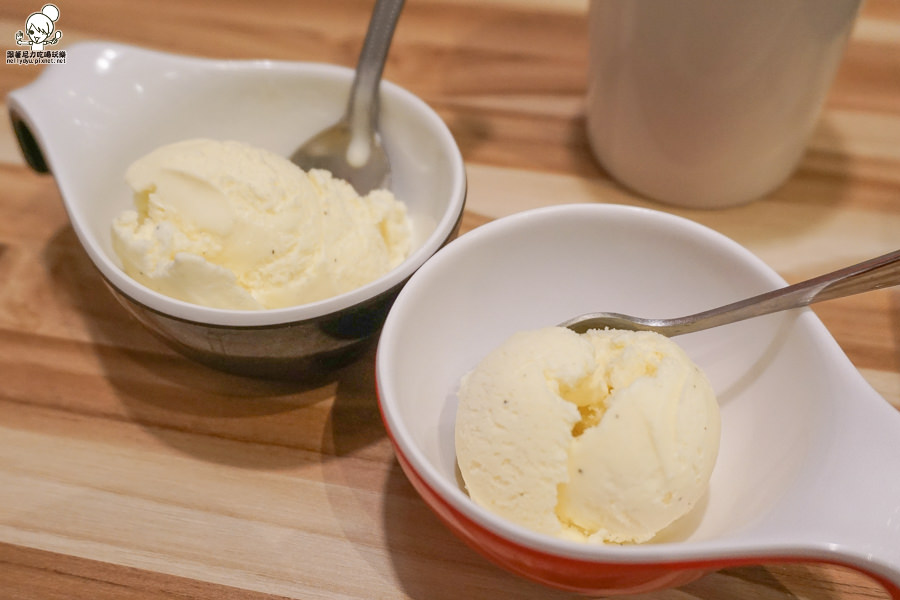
x=351 y=148
x=872 y=274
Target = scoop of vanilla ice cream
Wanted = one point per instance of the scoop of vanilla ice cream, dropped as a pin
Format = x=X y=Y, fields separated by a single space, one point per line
x=228 y=225
x=607 y=436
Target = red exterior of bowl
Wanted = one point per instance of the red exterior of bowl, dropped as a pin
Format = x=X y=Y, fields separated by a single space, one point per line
x=565 y=573
x=585 y=577
x=581 y=576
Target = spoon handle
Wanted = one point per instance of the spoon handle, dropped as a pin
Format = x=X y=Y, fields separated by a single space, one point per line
x=362 y=106
x=876 y=273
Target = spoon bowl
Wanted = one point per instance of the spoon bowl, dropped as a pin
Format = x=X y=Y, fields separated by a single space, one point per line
x=86 y=121
x=329 y=150
x=809 y=462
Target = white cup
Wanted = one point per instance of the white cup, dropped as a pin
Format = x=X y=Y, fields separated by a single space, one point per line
x=709 y=103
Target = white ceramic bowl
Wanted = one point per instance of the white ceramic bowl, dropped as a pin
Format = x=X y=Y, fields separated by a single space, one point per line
x=88 y=119
x=809 y=466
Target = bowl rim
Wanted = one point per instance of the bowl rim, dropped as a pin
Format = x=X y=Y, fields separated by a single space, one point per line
x=18 y=103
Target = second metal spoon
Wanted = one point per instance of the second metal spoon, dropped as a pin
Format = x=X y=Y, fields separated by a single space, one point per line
x=351 y=148
x=872 y=274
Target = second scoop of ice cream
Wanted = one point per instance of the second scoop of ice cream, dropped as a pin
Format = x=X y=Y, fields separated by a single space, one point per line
x=608 y=436
x=228 y=225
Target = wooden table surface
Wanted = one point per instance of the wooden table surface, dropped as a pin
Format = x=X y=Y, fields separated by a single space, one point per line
x=127 y=471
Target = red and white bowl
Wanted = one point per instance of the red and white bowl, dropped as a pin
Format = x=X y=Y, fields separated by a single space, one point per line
x=809 y=465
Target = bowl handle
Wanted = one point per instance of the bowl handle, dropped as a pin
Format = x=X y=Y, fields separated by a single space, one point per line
x=32 y=114
x=31 y=150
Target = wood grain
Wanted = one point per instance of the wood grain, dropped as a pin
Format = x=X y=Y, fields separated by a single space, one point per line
x=127 y=471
